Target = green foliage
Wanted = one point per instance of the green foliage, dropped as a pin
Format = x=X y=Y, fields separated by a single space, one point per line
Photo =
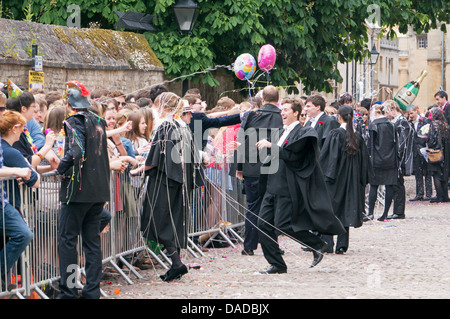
x=310 y=37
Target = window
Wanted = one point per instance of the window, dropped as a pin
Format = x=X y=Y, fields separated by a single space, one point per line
x=422 y=42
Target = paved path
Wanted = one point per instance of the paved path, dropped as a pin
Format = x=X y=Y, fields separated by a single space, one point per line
x=400 y=259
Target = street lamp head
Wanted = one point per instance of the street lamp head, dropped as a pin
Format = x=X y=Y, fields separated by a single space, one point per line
x=186 y=12
x=374 y=54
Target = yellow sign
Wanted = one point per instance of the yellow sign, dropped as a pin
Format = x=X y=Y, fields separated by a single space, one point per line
x=35 y=80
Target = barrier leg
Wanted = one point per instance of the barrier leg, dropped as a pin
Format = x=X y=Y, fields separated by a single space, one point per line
x=127 y=264
x=196 y=247
x=158 y=259
x=231 y=230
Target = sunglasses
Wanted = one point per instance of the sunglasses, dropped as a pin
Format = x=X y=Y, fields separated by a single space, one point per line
x=303 y=115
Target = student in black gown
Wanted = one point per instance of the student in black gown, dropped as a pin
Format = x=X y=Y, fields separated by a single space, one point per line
x=170 y=166
x=405 y=139
x=318 y=119
x=438 y=139
x=295 y=202
x=382 y=147
x=345 y=164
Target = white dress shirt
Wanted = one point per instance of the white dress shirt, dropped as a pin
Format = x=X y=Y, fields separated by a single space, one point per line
x=286 y=132
x=315 y=119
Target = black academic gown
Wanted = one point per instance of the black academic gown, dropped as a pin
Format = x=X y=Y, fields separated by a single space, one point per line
x=166 y=204
x=383 y=151
x=346 y=177
x=85 y=165
x=305 y=184
x=324 y=125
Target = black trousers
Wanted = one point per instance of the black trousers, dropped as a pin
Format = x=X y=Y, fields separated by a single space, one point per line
x=253 y=199
x=80 y=219
x=423 y=183
x=399 y=197
x=275 y=218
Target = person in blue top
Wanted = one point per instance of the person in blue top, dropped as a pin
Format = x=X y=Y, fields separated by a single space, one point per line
x=12 y=224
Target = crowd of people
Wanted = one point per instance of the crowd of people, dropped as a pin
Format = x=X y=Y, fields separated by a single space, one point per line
x=304 y=166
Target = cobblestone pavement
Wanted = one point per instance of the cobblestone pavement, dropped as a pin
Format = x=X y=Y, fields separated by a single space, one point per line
x=399 y=259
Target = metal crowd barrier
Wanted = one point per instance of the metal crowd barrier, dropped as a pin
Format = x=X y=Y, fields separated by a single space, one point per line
x=216 y=208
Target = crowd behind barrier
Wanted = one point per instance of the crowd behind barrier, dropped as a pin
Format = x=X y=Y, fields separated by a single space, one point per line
x=36 y=272
x=216 y=208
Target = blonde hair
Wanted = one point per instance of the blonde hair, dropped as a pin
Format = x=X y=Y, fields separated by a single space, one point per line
x=54 y=119
x=390 y=105
x=2 y=99
x=170 y=102
x=121 y=117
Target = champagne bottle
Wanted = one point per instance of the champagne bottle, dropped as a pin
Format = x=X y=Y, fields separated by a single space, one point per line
x=408 y=93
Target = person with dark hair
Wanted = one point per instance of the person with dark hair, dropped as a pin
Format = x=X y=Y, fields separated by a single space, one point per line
x=442 y=101
x=84 y=190
x=321 y=122
x=156 y=90
x=256 y=125
x=295 y=201
x=367 y=103
x=345 y=99
x=420 y=170
x=144 y=102
x=99 y=92
x=346 y=167
x=119 y=96
x=438 y=139
x=194 y=91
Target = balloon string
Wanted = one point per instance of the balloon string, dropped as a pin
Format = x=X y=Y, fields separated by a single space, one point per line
x=250 y=91
x=268 y=75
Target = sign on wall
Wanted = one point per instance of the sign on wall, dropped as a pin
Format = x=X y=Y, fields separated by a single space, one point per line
x=35 y=80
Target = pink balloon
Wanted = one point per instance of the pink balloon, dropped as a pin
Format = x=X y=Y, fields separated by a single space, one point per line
x=266 y=57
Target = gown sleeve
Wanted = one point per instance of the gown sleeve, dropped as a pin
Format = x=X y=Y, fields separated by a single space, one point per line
x=330 y=155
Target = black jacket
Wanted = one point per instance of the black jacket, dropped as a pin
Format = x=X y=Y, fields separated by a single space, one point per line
x=85 y=165
x=305 y=183
x=200 y=123
x=263 y=123
x=323 y=127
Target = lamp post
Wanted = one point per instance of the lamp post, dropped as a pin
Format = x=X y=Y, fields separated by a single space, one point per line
x=186 y=12
x=374 y=54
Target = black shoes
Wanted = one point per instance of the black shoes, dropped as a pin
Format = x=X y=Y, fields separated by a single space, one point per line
x=273 y=270
x=416 y=199
x=340 y=251
x=426 y=199
x=318 y=255
x=366 y=218
x=246 y=252
x=174 y=273
x=395 y=216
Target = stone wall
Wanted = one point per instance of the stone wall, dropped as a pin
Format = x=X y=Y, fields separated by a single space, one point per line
x=95 y=57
